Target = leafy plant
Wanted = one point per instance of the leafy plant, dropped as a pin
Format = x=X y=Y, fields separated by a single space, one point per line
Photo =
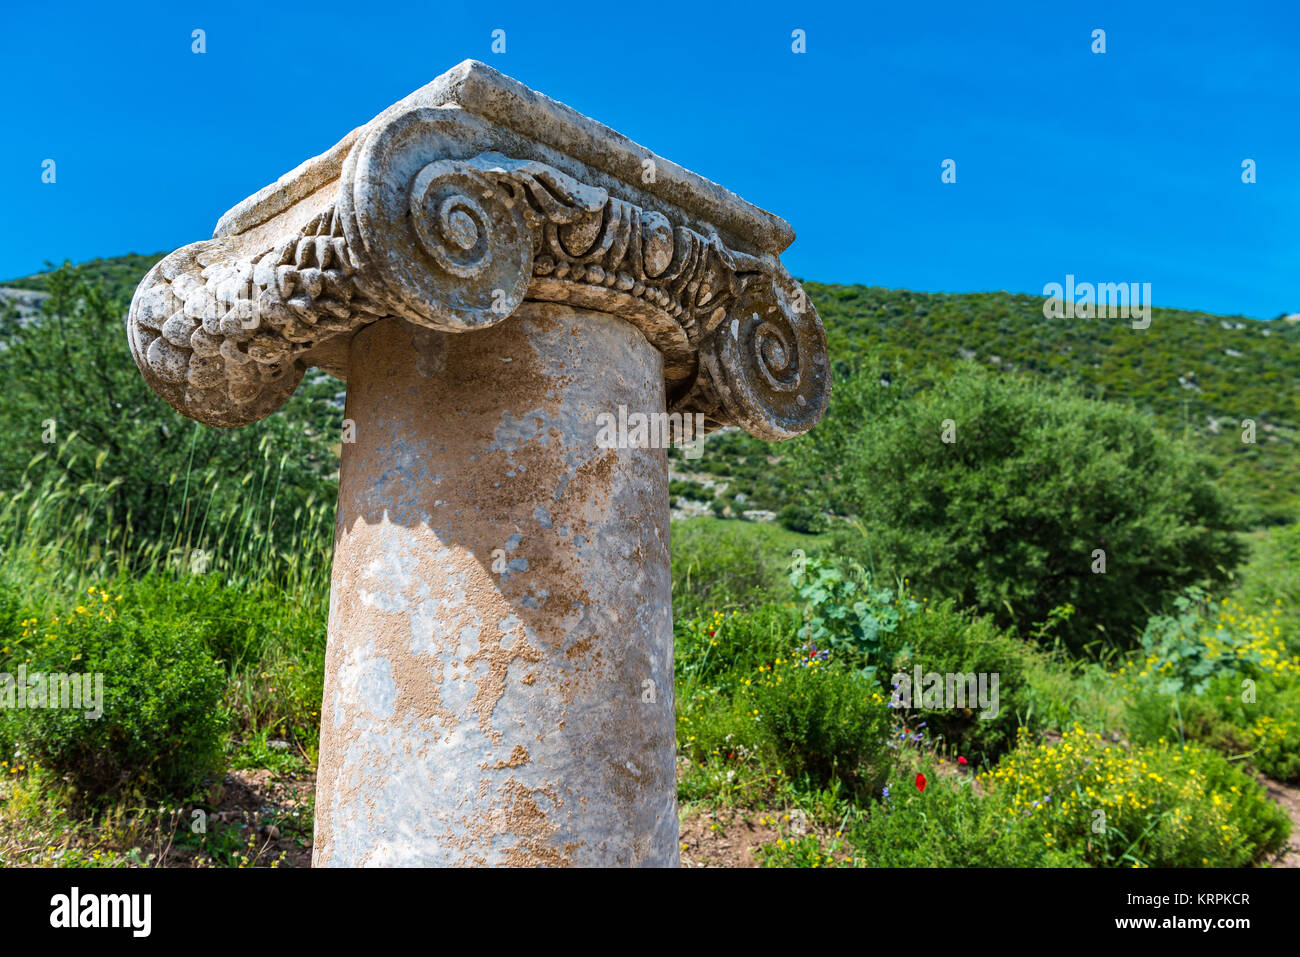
x=1163 y=805
x=1015 y=497
x=844 y=611
x=1179 y=659
x=161 y=729
x=823 y=723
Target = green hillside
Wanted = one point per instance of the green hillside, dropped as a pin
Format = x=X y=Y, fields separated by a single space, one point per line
x=1200 y=374
x=119 y=275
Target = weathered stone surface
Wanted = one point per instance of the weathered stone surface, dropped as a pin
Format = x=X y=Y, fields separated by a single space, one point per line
x=480 y=715
x=492 y=273
x=449 y=209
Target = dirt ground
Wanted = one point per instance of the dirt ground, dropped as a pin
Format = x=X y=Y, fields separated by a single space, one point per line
x=254 y=801
x=1289 y=799
x=709 y=837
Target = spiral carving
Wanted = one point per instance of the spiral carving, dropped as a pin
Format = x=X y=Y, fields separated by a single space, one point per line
x=767 y=362
x=438 y=241
x=477 y=247
x=430 y=223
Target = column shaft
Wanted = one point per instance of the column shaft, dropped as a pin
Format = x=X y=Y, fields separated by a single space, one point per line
x=498 y=680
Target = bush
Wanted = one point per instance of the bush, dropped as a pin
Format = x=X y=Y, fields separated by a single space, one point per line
x=1265 y=730
x=1223 y=675
x=885 y=631
x=706 y=649
x=1006 y=517
x=938 y=638
x=271 y=643
x=845 y=613
x=161 y=731
x=721 y=743
x=803 y=518
x=822 y=722
x=946 y=825
x=686 y=488
x=1155 y=806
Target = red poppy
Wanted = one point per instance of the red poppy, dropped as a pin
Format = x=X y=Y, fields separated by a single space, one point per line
x=920 y=782
x=961 y=760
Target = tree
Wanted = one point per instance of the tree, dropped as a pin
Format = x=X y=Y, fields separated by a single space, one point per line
x=1016 y=497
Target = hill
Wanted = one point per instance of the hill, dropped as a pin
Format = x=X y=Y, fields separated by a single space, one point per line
x=1200 y=374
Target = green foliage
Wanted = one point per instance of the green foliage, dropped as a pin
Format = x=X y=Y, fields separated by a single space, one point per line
x=1180 y=661
x=1272 y=578
x=1155 y=806
x=688 y=489
x=1060 y=691
x=946 y=825
x=125 y=483
x=803 y=518
x=843 y=611
x=707 y=649
x=936 y=637
x=824 y=722
x=1261 y=726
x=1006 y=518
x=161 y=731
x=1222 y=674
x=271 y=642
x=721 y=564
x=1198 y=374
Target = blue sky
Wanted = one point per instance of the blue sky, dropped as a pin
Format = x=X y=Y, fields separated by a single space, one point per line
x=1122 y=166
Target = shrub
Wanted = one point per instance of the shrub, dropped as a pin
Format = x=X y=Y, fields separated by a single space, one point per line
x=272 y=645
x=803 y=518
x=822 y=722
x=1182 y=652
x=689 y=489
x=705 y=649
x=936 y=637
x=946 y=825
x=1262 y=726
x=1157 y=806
x=161 y=730
x=883 y=631
x=1222 y=675
x=1006 y=517
x=721 y=747
x=844 y=612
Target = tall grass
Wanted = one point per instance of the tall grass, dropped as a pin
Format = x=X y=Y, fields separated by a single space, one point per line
x=67 y=532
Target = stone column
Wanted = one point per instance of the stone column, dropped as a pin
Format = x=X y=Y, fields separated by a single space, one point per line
x=497 y=278
x=499 y=681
